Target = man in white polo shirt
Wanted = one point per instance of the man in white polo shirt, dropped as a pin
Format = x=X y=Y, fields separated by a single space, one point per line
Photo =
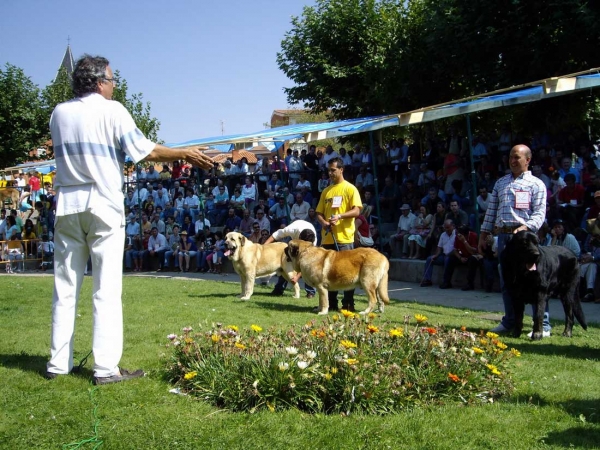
x=92 y=135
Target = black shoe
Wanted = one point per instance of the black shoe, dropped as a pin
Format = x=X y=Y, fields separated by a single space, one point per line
x=276 y=293
x=468 y=287
x=310 y=295
x=588 y=298
x=426 y=283
x=445 y=286
x=123 y=376
x=348 y=307
x=52 y=375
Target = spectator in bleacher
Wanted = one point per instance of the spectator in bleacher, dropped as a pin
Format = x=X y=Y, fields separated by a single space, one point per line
x=314 y=220
x=437 y=227
x=256 y=234
x=565 y=169
x=262 y=204
x=329 y=154
x=536 y=171
x=362 y=235
x=237 y=202
x=400 y=239
x=161 y=198
x=461 y=197
x=133 y=227
x=187 y=250
x=323 y=182
x=277 y=165
x=295 y=166
x=3 y=224
x=174 y=244
x=176 y=189
x=191 y=204
x=302 y=183
x=136 y=252
x=466 y=253
x=410 y=194
x=29 y=235
x=188 y=225
x=452 y=170
x=201 y=224
x=441 y=256
x=418 y=234
x=457 y=215
x=157 y=247
x=561 y=237
x=483 y=200
x=570 y=202
x=426 y=178
x=363 y=179
x=15 y=252
x=274 y=185
x=233 y=221
x=588 y=268
x=431 y=200
x=299 y=209
x=217 y=189
x=263 y=221
x=288 y=196
x=152 y=175
x=346 y=159
x=129 y=200
x=221 y=207
x=246 y=224
x=158 y=223
x=249 y=192
x=279 y=213
x=145 y=225
x=215 y=257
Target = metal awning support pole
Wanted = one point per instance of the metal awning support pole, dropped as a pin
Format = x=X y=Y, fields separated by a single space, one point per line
x=473 y=173
x=376 y=183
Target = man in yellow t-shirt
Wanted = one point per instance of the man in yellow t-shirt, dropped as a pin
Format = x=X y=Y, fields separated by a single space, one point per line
x=338 y=206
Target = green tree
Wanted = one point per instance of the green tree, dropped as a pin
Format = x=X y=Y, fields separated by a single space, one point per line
x=58 y=91
x=22 y=127
x=135 y=105
x=369 y=57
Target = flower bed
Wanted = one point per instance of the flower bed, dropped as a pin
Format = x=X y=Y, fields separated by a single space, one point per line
x=345 y=364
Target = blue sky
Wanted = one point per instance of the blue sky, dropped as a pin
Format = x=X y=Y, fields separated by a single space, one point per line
x=197 y=62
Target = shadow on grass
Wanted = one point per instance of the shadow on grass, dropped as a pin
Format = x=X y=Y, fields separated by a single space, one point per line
x=36 y=364
x=213 y=295
x=585 y=410
x=563 y=349
x=283 y=306
x=576 y=437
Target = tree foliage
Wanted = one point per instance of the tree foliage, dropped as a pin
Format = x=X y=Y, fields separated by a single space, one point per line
x=21 y=119
x=370 y=57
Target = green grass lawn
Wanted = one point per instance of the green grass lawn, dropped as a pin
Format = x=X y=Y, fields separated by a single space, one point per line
x=556 y=403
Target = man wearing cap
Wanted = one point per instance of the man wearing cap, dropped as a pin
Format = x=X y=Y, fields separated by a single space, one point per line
x=517 y=203
x=405 y=224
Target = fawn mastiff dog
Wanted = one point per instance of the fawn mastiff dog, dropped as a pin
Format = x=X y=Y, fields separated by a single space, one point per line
x=340 y=271
x=532 y=273
x=251 y=261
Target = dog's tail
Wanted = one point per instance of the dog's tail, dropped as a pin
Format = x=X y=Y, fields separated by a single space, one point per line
x=578 y=310
x=382 y=288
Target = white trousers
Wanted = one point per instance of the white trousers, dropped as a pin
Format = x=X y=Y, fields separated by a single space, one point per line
x=76 y=237
x=588 y=271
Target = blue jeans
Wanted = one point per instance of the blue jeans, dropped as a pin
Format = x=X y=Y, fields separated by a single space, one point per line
x=509 y=313
x=282 y=284
x=440 y=260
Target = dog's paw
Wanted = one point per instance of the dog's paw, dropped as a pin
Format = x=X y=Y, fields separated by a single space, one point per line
x=245 y=298
x=323 y=312
x=536 y=336
x=296 y=296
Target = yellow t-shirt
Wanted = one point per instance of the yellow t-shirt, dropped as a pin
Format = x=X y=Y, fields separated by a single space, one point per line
x=338 y=199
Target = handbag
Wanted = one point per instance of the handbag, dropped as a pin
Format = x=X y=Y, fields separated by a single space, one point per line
x=365 y=241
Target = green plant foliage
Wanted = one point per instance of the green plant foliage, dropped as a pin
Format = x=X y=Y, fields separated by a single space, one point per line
x=346 y=364
x=22 y=126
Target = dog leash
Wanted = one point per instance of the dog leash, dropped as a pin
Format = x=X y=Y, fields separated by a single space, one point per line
x=337 y=247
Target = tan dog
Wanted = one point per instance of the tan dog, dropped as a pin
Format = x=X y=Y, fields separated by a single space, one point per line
x=251 y=261
x=328 y=270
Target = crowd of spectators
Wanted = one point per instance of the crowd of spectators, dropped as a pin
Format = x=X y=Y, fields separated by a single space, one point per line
x=181 y=214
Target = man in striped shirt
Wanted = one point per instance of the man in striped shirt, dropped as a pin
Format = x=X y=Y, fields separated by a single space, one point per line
x=517 y=202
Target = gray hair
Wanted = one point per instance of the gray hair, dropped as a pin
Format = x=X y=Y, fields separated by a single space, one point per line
x=89 y=70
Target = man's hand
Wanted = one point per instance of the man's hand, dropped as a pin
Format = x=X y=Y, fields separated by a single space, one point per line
x=521 y=228
x=197 y=158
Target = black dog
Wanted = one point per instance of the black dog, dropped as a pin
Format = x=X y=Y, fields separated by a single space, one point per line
x=532 y=273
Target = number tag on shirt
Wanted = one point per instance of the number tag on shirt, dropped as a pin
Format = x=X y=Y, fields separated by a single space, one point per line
x=522 y=199
x=337 y=201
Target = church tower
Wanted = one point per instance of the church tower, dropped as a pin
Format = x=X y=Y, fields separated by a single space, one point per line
x=67 y=62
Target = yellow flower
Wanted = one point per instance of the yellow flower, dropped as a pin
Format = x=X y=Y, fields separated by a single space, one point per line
x=420 y=318
x=334 y=370
x=491 y=335
x=256 y=328
x=215 y=338
x=328 y=376
x=347 y=344
x=484 y=341
x=271 y=407
x=335 y=317
x=396 y=332
x=501 y=345
x=233 y=327
x=188 y=340
x=371 y=316
x=515 y=352
x=493 y=369
x=347 y=314
x=240 y=345
x=372 y=329
x=352 y=361
x=477 y=350
x=190 y=375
